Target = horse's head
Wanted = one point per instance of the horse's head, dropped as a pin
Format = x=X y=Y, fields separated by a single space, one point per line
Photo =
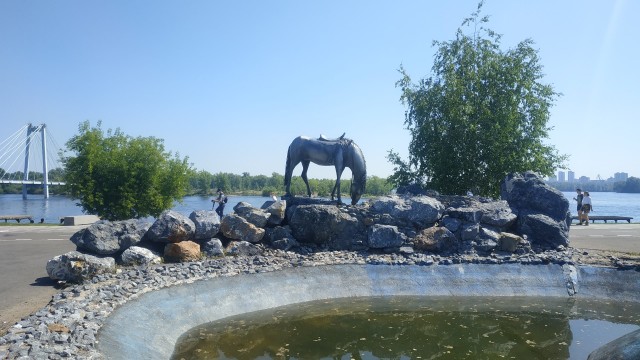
x=357 y=189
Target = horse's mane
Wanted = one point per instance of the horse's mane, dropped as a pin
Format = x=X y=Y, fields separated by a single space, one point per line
x=346 y=143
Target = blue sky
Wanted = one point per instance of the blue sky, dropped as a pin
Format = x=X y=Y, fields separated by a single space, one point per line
x=230 y=83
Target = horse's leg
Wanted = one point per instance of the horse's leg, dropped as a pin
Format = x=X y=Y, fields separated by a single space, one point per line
x=305 y=167
x=339 y=171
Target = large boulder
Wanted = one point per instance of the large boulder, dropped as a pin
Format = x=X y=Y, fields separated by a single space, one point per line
x=77 y=267
x=280 y=237
x=436 y=239
x=327 y=225
x=257 y=217
x=171 y=227
x=626 y=347
x=235 y=227
x=137 y=255
x=529 y=192
x=110 y=237
x=207 y=224
x=543 y=230
x=184 y=251
x=422 y=211
x=543 y=212
x=384 y=237
x=213 y=248
x=277 y=211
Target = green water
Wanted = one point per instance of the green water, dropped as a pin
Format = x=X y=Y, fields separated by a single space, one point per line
x=415 y=328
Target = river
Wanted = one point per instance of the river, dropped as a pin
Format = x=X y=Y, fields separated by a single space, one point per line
x=56 y=207
x=52 y=209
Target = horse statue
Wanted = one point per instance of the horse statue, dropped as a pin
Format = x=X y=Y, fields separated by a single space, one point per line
x=341 y=153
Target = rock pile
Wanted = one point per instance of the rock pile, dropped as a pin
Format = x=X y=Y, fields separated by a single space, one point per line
x=531 y=217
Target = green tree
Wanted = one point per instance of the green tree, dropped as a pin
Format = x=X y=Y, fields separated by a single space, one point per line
x=119 y=177
x=631 y=185
x=481 y=115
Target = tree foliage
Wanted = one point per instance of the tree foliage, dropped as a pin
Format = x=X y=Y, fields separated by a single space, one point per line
x=483 y=113
x=631 y=185
x=267 y=185
x=119 y=177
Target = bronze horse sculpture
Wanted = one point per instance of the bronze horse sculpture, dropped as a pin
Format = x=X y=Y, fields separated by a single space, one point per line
x=341 y=153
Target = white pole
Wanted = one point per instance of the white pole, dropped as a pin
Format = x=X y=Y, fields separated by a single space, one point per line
x=25 y=176
x=45 y=169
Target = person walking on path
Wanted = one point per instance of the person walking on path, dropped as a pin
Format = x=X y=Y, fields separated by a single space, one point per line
x=586 y=208
x=222 y=201
x=579 y=198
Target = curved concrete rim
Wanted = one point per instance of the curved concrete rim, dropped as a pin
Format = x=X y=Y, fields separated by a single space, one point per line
x=149 y=326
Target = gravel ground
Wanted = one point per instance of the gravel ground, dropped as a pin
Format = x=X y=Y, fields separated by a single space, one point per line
x=67 y=327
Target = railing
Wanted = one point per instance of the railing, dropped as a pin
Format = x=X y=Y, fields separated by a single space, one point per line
x=30 y=182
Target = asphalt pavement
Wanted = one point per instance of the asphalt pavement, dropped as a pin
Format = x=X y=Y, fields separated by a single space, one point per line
x=24 y=284
x=24 y=250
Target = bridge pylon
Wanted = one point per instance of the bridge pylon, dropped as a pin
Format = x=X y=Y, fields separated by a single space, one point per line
x=42 y=128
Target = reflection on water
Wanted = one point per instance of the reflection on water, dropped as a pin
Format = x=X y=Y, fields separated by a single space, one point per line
x=415 y=328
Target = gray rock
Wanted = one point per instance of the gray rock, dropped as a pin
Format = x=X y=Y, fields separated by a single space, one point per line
x=487 y=240
x=257 y=217
x=110 y=237
x=385 y=236
x=528 y=192
x=235 y=227
x=277 y=211
x=465 y=214
x=213 y=248
x=422 y=211
x=626 y=347
x=171 y=227
x=280 y=237
x=543 y=231
x=137 y=255
x=450 y=223
x=470 y=231
x=327 y=225
x=543 y=212
x=237 y=248
x=77 y=267
x=497 y=213
x=206 y=222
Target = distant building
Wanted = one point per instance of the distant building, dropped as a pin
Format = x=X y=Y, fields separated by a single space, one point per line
x=584 y=179
x=620 y=176
x=560 y=176
x=553 y=178
x=572 y=176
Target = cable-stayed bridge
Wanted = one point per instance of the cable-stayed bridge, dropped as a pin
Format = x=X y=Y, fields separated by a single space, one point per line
x=32 y=147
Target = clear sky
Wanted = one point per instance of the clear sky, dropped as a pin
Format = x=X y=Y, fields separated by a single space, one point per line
x=230 y=83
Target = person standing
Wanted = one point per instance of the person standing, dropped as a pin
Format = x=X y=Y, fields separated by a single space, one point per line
x=579 y=198
x=221 y=200
x=586 y=208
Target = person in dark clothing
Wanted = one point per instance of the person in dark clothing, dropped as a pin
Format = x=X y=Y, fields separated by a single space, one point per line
x=579 y=198
x=221 y=200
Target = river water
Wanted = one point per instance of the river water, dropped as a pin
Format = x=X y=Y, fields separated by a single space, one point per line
x=56 y=207
x=52 y=209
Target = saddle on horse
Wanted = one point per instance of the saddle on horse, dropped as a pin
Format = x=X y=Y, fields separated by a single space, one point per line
x=324 y=138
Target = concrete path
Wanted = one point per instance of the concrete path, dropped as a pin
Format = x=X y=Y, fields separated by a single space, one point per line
x=612 y=237
x=24 y=251
x=24 y=284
